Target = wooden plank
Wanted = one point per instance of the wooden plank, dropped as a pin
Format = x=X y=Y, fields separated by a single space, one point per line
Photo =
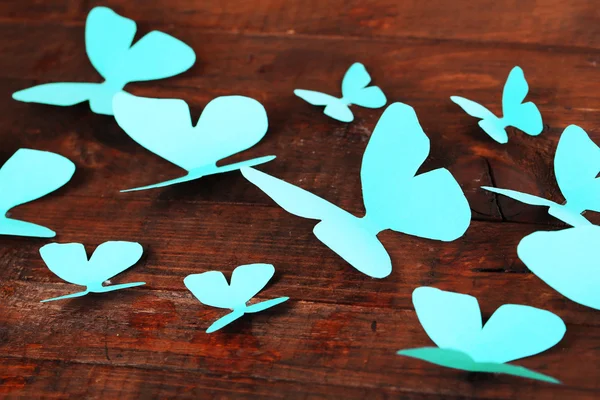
x=547 y=22
x=46 y=10
x=321 y=154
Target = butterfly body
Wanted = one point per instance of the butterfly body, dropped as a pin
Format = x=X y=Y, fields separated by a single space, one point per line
x=567 y=260
x=354 y=91
x=211 y=288
x=524 y=116
x=69 y=261
x=26 y=176
x=576 y=167
x=110 y=48
x=430 y=205
x=453 y=322
x=227 y=125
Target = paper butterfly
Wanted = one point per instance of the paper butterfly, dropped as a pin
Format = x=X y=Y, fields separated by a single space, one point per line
x=211 y=288
x=576 y=166
x=453 y=322
x=228 y=125
x=567 y=260
x=430 y=205
x=524 y=116
x=354 y=91
x=69 y=262
x=108 y=41
x=26 y=176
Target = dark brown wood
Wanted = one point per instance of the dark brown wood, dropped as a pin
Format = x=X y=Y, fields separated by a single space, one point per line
x=337 y=336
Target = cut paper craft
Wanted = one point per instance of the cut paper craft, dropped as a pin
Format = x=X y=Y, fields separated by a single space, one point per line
x=69 y=262
x=212 y=289
x=26 y=176
x=453 y=322
x=568 y=260
x=430 y=205
x=523 y=116
x=576 y=166
x=354 y=91
x=228 y=125
x=108 y=41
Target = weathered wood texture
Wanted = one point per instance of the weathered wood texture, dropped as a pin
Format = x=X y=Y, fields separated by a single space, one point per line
x=337 y=336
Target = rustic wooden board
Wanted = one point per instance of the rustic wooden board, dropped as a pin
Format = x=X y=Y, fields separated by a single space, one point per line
x=337 y=336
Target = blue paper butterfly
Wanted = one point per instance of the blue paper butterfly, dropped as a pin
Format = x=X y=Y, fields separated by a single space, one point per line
x=524 y=116
x=69 y=262
x=568 y=260
x=430 y=205
x=26 y=176
x=228 y=125
x=108 y=40
x=354 y=91
x=453 y=322
x=576 y=166
x=211 y=288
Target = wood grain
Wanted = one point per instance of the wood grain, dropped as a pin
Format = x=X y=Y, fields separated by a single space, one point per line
x=337 y=336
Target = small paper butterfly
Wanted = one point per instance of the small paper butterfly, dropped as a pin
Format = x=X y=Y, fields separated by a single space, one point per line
x=228 y=125
x=26 y=176
x=576 y=166
x=568 y=260
x=108 y=41
x=524 y=116
x=211 y=288
x=69 y=262
x=430 y=205
x=354 y=91
x=453 y=322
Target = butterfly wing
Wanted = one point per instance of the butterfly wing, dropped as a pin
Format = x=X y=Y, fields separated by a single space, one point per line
x=459 y=360
x=473 y=109
x=340 y=111
x=567 y=260
x=576 y=166
x=291 y=198
x=263 y=305
x=225 y=320
x=431 y=205
x=248 y=280
x=58 y=93
x=355 y=90
x=155 y=56
x=31 y=174
x=514 y=332
x=451 y=320
x=108 y=37
x=211 y=288
x=68 y=261
x=521 y=197
x=315 y=98
x=112 y=258
x=524 y=116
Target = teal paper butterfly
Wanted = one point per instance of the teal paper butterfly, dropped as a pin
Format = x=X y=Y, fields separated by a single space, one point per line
x=108 y=41
x=69 y=262
x=211 y=288
x=453 y=322
x=228 y=125
x=26 y=176
x=568 y=260
x=523 y=116
x=354 y=91
x=576 y=166
x=430 y=205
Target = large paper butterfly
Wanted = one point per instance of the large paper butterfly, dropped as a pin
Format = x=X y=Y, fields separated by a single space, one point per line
x=568 y=260
x=453 y=322
x=524 y=116
x=430 y=205
x=211 y=288
x=228 y=125
x=26 y=176
x=108 y=41
x=576 y=166
x=354 y=91
x=69 y=262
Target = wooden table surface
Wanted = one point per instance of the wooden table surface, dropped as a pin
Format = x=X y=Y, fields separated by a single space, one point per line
x=338 y=335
